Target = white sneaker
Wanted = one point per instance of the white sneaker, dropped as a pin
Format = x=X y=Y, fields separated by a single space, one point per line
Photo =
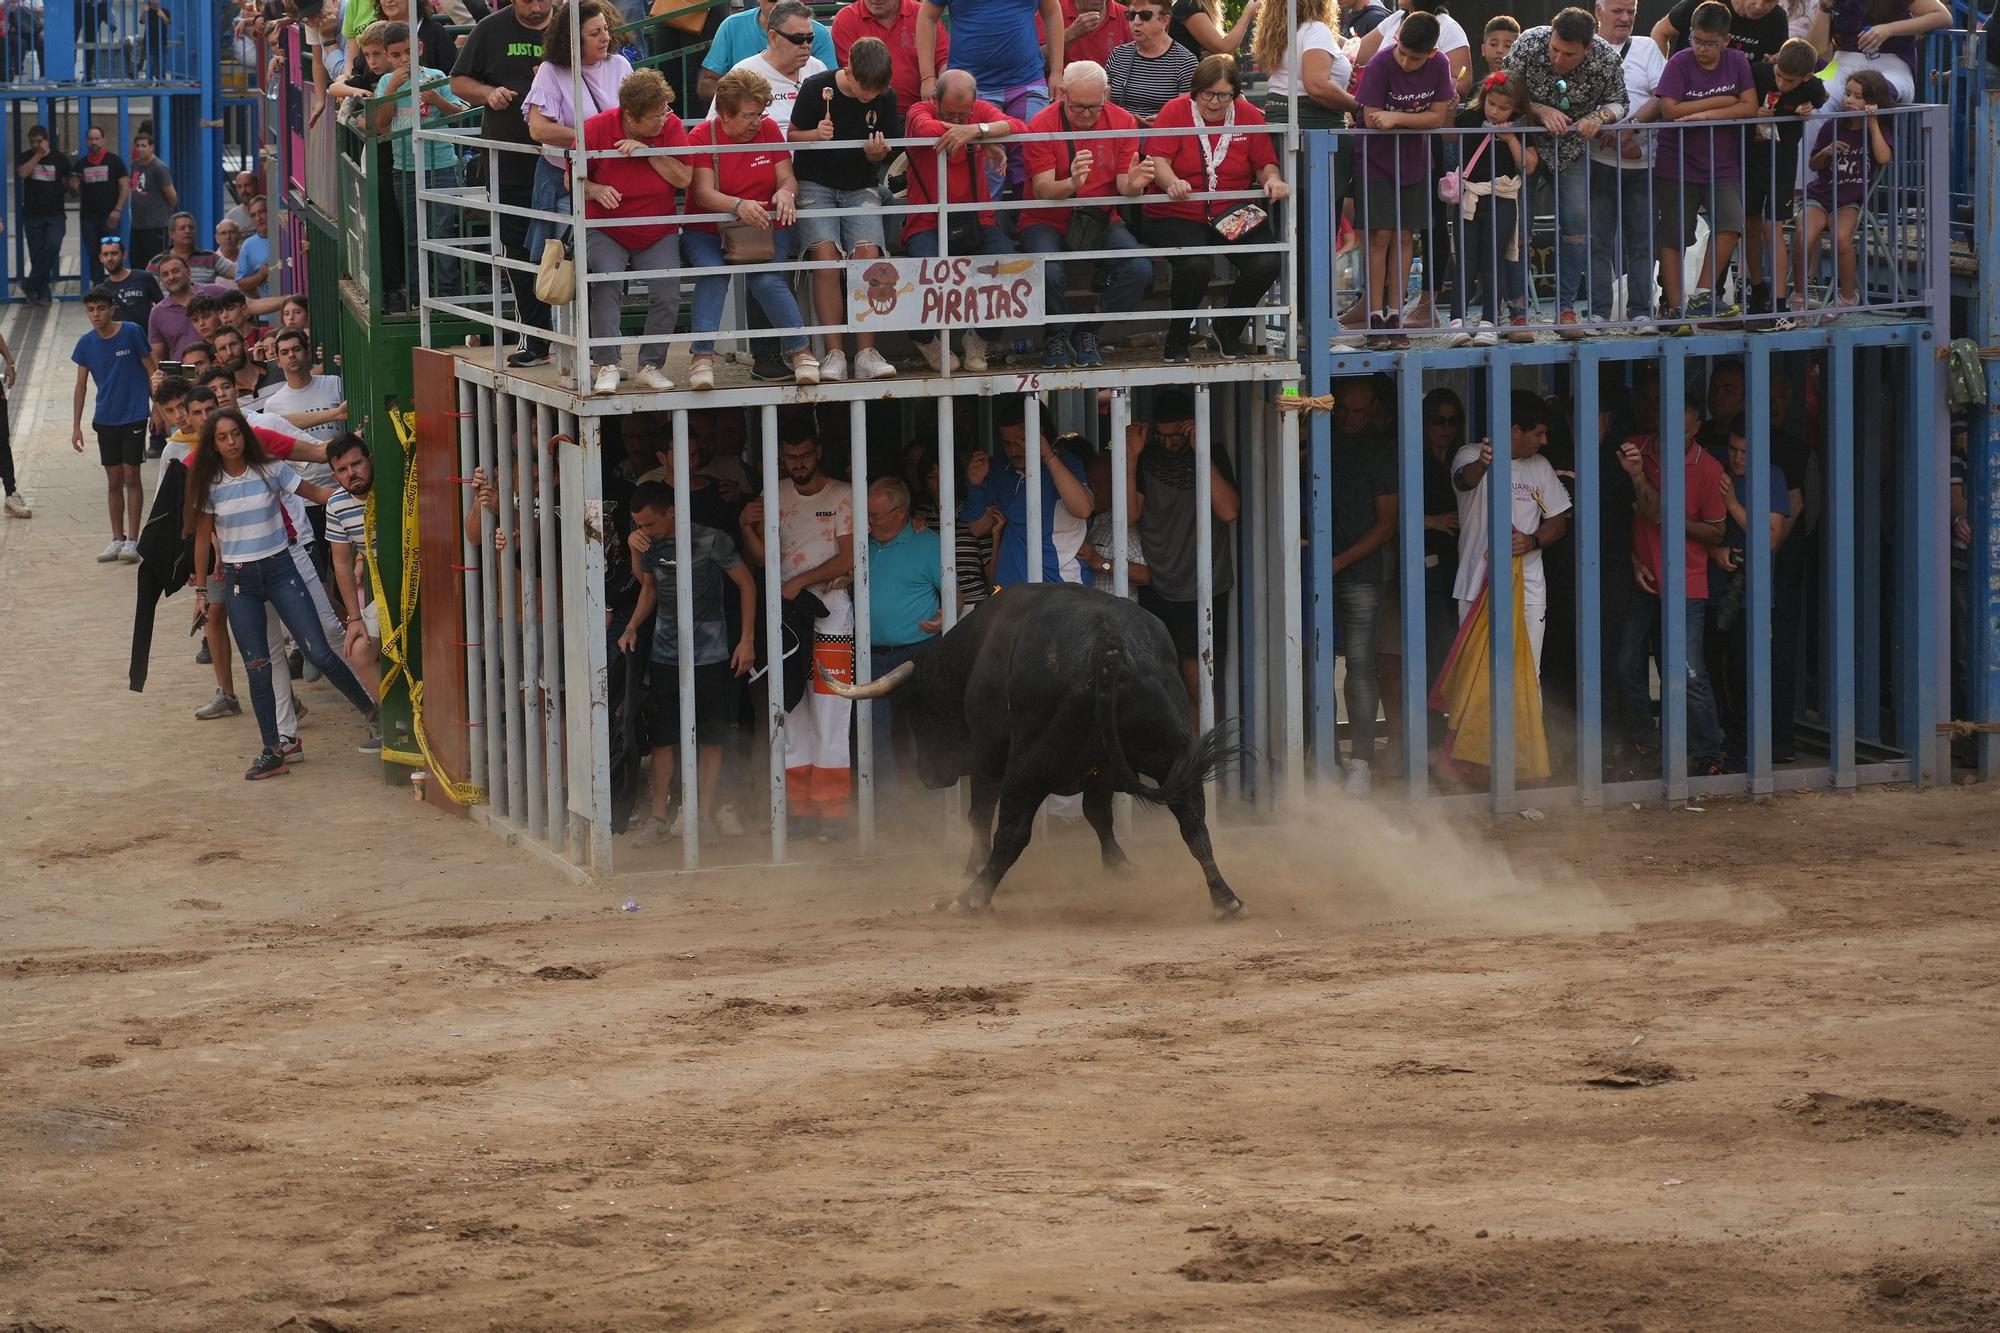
x=1484 y=334
x=833 y=366
x=129 y=553
x=606 y=381
x=805 y=368
x=701 y=373
x=870 y=365
x=18 y=506
x=974 y=356
x=652 y=834
x=111 y=552
x=1461 y=333
x=727 y=823
x=680 y=819
x=937 y=355
x=652 y=377
x=1357 y=778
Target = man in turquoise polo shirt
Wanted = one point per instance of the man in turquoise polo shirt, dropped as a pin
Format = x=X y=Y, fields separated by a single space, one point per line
x=905 y=602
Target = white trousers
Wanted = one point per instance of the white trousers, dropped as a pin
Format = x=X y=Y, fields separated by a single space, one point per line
x=1538 y=626
x=818 y=781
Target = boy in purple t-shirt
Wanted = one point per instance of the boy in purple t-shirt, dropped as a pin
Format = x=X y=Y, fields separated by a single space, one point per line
x=1405 y=88
x=1703 y=168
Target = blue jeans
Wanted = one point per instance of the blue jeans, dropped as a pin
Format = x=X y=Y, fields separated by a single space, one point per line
x=550 y=193
x=443 y=221
x=1640 y=643
x=924 y=245
x=45 y=238
x=275 y=580
x=1021 y=101
x=1124 y=282
x=883 y=729
x=1572 y=210
x=1621 y=217
x=771 y=291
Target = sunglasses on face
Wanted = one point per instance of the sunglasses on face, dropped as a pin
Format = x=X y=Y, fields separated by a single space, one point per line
x=1142 y=15
x=798 y=38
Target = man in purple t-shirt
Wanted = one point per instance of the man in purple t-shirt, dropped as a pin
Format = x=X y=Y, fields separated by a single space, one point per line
x=1406 y=88
x=1701 y=169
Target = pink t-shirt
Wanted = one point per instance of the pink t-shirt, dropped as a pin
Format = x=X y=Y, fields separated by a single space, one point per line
x=549 y=94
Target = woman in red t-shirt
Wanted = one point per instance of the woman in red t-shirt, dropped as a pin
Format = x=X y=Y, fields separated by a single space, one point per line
x=756 y=189
x=1188 y=164
x=642 y=188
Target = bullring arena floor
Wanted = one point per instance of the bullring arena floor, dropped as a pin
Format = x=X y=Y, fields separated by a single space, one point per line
x=306 y=1056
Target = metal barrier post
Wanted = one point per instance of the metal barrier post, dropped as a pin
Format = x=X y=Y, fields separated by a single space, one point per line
x=552 y=569
x=521 y=503
x=491 y=559
x=1204 y=562
x=1982 y=482
x=510 y=603
x=1587 y=533
x=1409 y=563
x=477 y=595
x=690 y=740
x=1867 y=405
x=864 y=709
x=774 y=637
x=1837 y=673
x=587 y=596
x=1031 y=434
x=1923 y=554
x=1315 y=276
x=1500 y=579
x=1758 y=558
x=1673 y=577
x=1291 y=575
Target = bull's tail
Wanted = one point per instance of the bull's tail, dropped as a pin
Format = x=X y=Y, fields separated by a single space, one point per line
x=1211 y=753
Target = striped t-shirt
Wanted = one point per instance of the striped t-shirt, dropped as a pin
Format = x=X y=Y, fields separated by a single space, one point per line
x=1143 y=85
x=347 y=520
x=249 y=524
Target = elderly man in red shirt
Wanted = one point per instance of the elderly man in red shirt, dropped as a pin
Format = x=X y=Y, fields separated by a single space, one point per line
x=895 y=22
x=966 y=129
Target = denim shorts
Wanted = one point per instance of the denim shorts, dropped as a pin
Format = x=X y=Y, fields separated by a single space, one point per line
x=845 y=233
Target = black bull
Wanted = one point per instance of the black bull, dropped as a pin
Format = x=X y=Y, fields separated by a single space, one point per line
x=1050 y=690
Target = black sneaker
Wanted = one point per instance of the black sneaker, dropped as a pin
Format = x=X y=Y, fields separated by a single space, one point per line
x=1175 y=351
x=269 y=764
x=770 y=372
x=526 y=357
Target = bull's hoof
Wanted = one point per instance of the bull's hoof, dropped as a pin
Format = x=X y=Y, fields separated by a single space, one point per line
x=962 y=905
x=1229 y=911
x=1119 y=867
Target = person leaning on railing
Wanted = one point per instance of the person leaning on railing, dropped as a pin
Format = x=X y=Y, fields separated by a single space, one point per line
x=552 y=118
x=441 y=169
x=1317 y=60
x=1187 y=164
x=636 y=187
x=1077 y=167
x=758 y=192
x=1152 y=69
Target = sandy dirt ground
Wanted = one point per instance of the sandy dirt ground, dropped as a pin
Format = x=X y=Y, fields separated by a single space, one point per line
x=306 y=1056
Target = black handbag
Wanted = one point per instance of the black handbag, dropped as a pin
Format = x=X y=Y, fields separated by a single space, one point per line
x=1087 y=226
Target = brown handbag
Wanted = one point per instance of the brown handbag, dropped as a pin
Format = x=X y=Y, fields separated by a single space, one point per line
x=745 y=244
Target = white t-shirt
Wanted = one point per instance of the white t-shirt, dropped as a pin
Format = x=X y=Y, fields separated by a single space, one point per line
x=1643 y=66
x=1539 y=495
x=784 y=91
x=320 y=393
x=810 y=526
x=1312 y=37
x=1451 y=37
x=1066 y=536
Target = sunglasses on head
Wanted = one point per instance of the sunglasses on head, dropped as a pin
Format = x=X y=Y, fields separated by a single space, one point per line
x=798 y=38
x=118 y=241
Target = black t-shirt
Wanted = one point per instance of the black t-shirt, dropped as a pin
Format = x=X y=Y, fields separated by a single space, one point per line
x=1440 y=497
x=1498 y=158
x=434 y=48
x=505 y=54
x=136 y=293
x=97 y=191
x=842 y=168
x=1364 y=467
x=45 y=190
x=1758 y=39
x=1177 y=28
x=1788 y=118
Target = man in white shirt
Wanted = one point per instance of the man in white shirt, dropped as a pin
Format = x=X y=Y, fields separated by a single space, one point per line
x=1540 y=515
x=315 y=405
x=786 y=60
x=1620 y=158
x=816 y=555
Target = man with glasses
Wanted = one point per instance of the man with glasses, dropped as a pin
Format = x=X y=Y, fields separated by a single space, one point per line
x=1078 y=168
x=1620 y=185
x=203 y=265
x=1578 y=84
x=786 y=60
x=1152 y=69
x=747 y=33
x=103 y=184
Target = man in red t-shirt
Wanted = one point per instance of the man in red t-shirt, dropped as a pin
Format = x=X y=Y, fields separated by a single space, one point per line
x=1706 y=519
x=635 y=187
x=1078 y=167
x=1092 y=29
x=895 y=23
x=966 y=130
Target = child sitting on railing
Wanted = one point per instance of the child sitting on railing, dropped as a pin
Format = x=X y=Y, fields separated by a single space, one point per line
x=1846 y=155
x=1487 y=189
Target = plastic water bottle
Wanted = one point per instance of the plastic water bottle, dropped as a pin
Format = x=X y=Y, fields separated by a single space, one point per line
x=1872 y=55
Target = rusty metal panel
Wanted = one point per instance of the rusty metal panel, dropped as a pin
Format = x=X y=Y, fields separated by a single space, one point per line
x=441 y=588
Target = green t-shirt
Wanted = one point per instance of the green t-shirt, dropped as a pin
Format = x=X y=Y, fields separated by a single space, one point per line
x=357 y=16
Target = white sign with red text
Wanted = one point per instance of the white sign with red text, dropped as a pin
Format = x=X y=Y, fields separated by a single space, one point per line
x=968 y=291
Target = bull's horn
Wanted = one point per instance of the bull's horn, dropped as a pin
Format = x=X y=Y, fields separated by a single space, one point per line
x=874 y=689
